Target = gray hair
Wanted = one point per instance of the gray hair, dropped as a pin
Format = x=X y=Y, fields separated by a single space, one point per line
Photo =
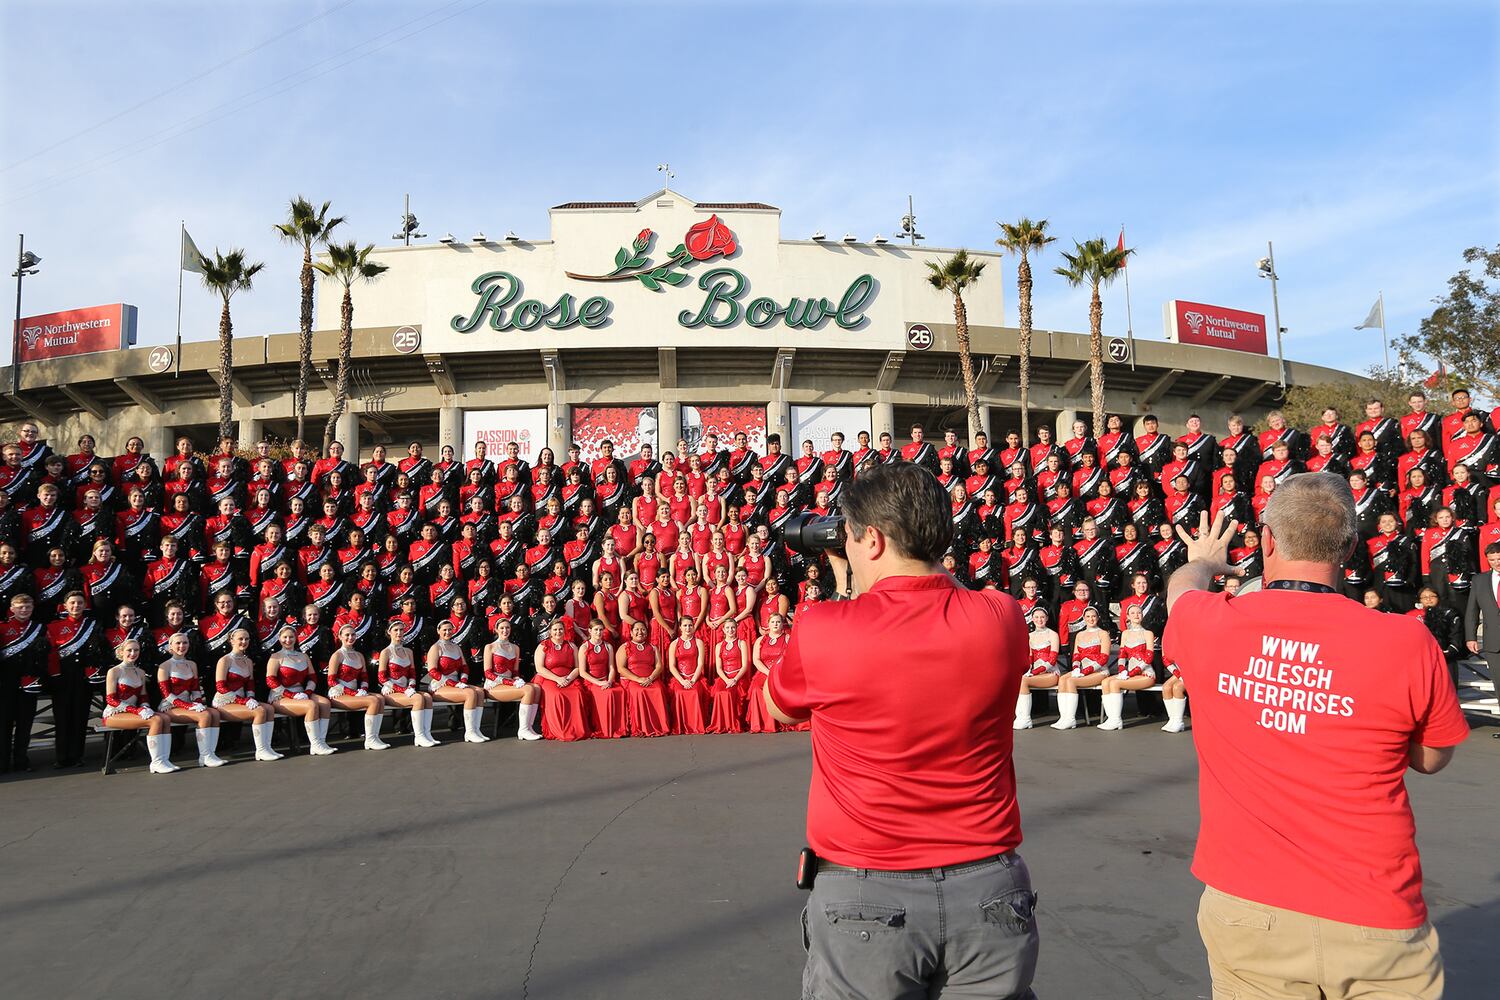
x=1311 y=517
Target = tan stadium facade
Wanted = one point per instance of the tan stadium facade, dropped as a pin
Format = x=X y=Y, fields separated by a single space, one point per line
x=686 y=310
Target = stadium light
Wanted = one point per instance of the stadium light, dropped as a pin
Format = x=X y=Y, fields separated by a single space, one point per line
x=26 y=263
x=446 y=238
x=818 y=236
x=1266 y=268
x=408 y=225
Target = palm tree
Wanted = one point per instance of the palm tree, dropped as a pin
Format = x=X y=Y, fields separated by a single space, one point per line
x=226 y=274
x=1024 y=238
x=954 y=275
x=308 y=228
x=346 y=264
x=1094 y=263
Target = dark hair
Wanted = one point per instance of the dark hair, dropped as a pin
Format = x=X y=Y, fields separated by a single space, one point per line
x=905 y=503
x=1492 y=548
x=773 y=439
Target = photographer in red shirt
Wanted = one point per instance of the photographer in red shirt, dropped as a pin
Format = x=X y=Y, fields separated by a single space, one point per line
x=1308 y=708
x=912 y=809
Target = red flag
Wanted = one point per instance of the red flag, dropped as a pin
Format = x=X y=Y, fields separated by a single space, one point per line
x=1436 y=378
x=1120 y=246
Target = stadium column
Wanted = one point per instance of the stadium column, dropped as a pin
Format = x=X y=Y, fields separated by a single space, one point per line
x=559 y=427
x=450 y=430
x=779 y=421
x=668 y=425
x=250 y=431
x=882 y=420
x=347 y=431
x=1065 y=420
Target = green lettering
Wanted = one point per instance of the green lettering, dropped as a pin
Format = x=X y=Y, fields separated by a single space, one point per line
x=762 y=312
x=529 y=315
x=851 y=311
x=594 y=311
x=495 y=290
x=561 y=315
x=720 y=292
x=814 y=311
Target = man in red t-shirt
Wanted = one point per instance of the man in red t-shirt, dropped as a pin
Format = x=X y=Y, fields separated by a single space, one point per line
x=912 y=809
x=1307 y=710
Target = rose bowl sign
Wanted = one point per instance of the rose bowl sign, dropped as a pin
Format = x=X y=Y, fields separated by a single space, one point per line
x=1214 y=326
x=77 y=331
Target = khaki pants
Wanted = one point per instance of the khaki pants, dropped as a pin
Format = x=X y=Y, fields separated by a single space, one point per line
x=1260 y=952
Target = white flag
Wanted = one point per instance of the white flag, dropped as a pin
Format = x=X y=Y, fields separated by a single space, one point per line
x=192 y=260
x=1376 y=319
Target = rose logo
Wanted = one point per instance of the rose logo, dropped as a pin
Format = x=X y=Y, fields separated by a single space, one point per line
x=703 y=241
x=1194 y=320
x=709 y=239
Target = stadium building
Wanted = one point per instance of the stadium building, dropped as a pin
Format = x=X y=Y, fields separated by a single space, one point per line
x=645 y=321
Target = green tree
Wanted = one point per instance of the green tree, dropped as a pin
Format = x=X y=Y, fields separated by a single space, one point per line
x=308 y=228
x=1463 y=332
x=1023 y=239
x=1094 y=263
x=953 y=276
x=226 y=275
x=346 y=264
x=1304 y=404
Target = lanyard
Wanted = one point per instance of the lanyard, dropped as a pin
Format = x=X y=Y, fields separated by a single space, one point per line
x=1302 y=585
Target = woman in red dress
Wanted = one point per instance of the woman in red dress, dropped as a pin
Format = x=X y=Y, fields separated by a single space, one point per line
x=596 y=669
x=448 y=681
x=766 y=654
x=732 y=665
x=633 y=605
x=772 y=602
x=721 y=609
x=687 y=659
x=502 y=679
x=692 y=604
x=564 y=709
x=663 y=615
x=638 y=665
x=744 y=602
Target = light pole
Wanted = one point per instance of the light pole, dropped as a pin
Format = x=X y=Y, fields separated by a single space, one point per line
x=408 y=225
x=909 y=223
x=26 y=263
x=1267 y=268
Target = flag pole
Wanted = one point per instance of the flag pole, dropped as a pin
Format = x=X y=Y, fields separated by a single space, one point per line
x=181 y=242
x=1385 y=340
x=1129 y=319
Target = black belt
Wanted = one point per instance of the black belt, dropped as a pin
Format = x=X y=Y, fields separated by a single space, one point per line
x=943 y=870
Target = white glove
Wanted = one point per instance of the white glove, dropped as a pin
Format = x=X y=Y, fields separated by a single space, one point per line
x=301 y=696
x=517 y=682
x=146 y=712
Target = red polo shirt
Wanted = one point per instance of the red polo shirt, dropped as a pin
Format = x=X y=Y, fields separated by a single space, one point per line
x=912 y=689
x=1304 y=710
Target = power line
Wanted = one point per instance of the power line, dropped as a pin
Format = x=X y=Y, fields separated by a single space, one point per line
x=238 y=104
x=175 y=87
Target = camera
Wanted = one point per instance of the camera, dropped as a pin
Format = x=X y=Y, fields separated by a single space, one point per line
x=808 y=533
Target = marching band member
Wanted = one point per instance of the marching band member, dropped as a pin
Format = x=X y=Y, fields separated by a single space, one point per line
x=1043 y=671
x=1133 y=670
x=638 y=667
x=596 y=668
x=564 y=710
x=234 y=694
x=503 y=682
x=290 y=676
x=448 y=681
x=125 y=706
x=398 y=684
x=349 y=687
x=1088 y=662
x=182 y=700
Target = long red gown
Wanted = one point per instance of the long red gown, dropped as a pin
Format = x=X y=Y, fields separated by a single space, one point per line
x=648 y=704
x=565 y=710
x=746 y=628
x=729 y=702
x=610 y=719
x=718 y=607
x=662 y=638
x=757 y=716
x=690 y=703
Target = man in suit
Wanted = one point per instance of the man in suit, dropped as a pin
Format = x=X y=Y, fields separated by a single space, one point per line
x=1485 y=607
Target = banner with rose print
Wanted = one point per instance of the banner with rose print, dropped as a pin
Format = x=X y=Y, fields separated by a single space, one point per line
x=628 y=427
x=725 y=421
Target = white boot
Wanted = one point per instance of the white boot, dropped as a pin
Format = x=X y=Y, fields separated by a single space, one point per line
x=472 y=717
x=262 y=733
x=1114 y=708
x=1175 y=709
x=372 y=733
x=320 y=747
x=208 y=739
x=1023 y=711
x=421 y=727
x=526 y=729
x=160 y=747
x=1067 y=710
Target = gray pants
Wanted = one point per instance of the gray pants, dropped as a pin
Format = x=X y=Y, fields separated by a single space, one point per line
x=961 y=931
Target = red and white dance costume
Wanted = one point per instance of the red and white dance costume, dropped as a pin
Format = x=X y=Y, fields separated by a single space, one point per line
x=647 y=702
x=758 y=719
x=611 y=716
x=690 y=706
x=1088 y=660
x=1043 y=662
x=399 y=677
x=129 y=699
x=565 y=714
x=351 y=679
x=1176 y=707
x=728 y=701
x=450 y=671
x=183 y=691
x=238 y=688
x=293 y=681
x=1134 y=662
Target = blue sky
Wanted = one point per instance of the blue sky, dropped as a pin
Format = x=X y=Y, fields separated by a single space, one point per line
x=1360 y=137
